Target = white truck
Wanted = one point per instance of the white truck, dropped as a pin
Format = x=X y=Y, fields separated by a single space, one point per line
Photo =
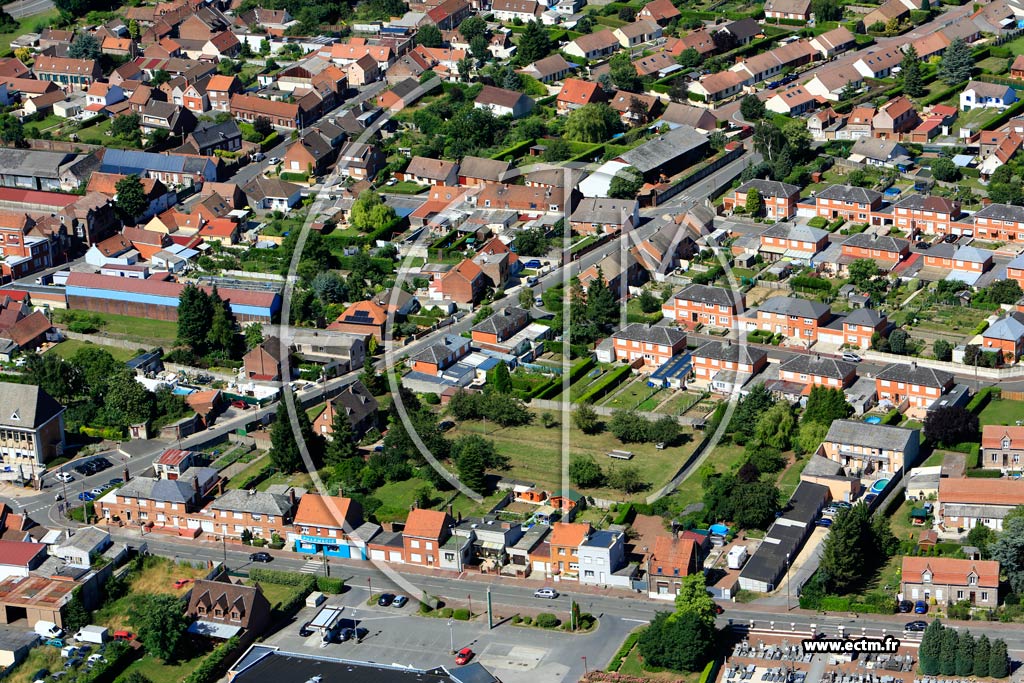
x=92 y=634
x=736 y=557
x=48 y=629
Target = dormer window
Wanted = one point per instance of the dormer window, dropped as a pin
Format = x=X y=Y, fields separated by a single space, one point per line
x=1006 y=442
x=926 y=576
x=972 y=579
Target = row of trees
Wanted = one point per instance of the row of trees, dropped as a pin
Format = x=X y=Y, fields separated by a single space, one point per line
x=585 y=472
x=206 y=325
x=949 y=652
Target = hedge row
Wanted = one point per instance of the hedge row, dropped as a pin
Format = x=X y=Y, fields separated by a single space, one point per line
x=625 y=515
x=212 y=667
x=605 y=384
x=515 y=150
x=627 y=647
x=1004 y=116
x=326 y=584
x=893 y=417
x=282 y=577
x=983 y=474
x=710 y=671
x=941 y=95
x=982 y=399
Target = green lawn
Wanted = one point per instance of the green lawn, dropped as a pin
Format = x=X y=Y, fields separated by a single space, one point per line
x=631 y=396
x=28 y=25
x=536 y=455
x=1001 y=412
x=681 y=401
x=580 y=386
x=297 y=479
x=790 y=478
x=276 y=593
x=70 y=347
x=195 y=651
x=724 y=458
x=395 y=498
x=405 y=187
x=237 y=480
x=146 y=330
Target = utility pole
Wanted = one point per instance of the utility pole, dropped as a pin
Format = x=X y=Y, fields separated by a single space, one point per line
x=787 y=583
x=224 y=547
x=451 y=636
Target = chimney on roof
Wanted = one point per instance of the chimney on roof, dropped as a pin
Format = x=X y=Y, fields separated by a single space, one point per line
x=291 y=496
x=913 y=365
x=195 y=484
x=124 y=474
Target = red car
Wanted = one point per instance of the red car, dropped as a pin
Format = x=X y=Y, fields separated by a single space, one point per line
x=123 y=635
x=240 y=404
x=181 y=583
x=463 y=657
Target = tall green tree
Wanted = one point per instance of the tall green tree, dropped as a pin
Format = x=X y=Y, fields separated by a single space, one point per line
x=625 y=184
x=931 y=648
x=253 y=335
x=999 y=660
x=947 y=656
x=75 y=614
x=586 y=419
x=752 y=108
x=160 y=622
x=499 y=379
x=693 y=599
x=602 y=307
x=284 y=449
x=221 y=337
x=585 y=472
x=1008 y=550
x=130 y=200
x=910 y=73
x=982 y=657
x=195 y=314
x=12 y=131
x=680 y=642
x=754 y=205
x=841 y=560
x=965 y=654
x=84 y=46
x=594 y=122
x=957 y=63
x=429 y=35
x=826 y=405
x=471 y=466
x=342 y=444
x=534 y=43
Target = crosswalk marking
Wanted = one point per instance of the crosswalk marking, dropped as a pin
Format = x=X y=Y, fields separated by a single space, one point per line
x=311 y=567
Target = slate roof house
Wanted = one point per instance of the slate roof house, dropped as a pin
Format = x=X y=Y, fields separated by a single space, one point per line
x=358 y=405
x=859 y=446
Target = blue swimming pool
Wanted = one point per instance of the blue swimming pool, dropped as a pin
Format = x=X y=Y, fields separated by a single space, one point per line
x=182 y=391
x=719 y=529
x=879 y=485
x=873 y=420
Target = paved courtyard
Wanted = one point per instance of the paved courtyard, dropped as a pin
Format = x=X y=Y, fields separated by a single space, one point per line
x=515 y=654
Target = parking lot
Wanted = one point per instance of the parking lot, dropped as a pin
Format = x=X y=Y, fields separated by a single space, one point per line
x=400 y=636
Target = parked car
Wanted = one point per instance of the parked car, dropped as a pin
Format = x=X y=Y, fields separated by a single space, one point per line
x=532 y=263
x=923 y=246
x=346 y=634
x=841 y=504
x=391 y=182
x=274 y=160
x=304 y=630
x=102 y=463
x=86 y=497
x=549 y=593
x=242 y=405
x=824 y=522
x=463 y=657
x=916 y=626
x=260 y=557
x=830 y=510
x=124 y=636
x=920 y=607
x=949 y=239
x=116 y=481
x=905 y=607
x=98 y=491
x=870 y=498
x=65 y=477
x=386 y=599
x=446 y=425
x=852 y=358
x=181 y=583
x=400 y=601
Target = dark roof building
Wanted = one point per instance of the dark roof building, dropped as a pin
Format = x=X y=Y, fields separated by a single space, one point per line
x=769 y=188
x=705 y=294
x=850 y=193
x=654 y=334
x=731 y=353
x=818 y=366
x=912 y=373
x=801 y=308
x=222 y=609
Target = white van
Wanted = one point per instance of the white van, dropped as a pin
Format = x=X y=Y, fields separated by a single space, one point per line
x=48 y=629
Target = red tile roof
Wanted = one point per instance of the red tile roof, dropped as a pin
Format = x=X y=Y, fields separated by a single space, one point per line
x=327 y=511
x=950 y=571
x=18 y=553
x=425 y=523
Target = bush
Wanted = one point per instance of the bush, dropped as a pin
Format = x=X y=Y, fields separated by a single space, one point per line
x=547 y=620
x=446 y=612
x=893 y=417
x=818 y=222
x=326 y=584
x=527 y=620
x=461 y=614
x=605 y=384
x=982 y=398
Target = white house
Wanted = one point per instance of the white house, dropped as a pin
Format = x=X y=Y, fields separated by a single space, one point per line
x=601 y=557
x=981 y=95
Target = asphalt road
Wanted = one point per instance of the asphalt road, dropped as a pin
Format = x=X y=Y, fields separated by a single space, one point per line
x=27 y=8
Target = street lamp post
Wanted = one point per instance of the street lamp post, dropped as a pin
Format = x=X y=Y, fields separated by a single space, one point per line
x=787 y=582
x=585 y=669
x=451 y=635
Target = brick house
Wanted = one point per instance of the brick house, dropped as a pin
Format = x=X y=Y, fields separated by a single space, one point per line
x=654 y=345
x=813 y=371
x=280 y=114
x=737 y=362
x=500 y=327
x=786 y=239
x=70 y=74
x=1007 y=336
x=999 y=222
x=441 y=356
x=264 y=514
x=966 y=502
x=331 y=526
x=778 y=199
x=860 y=326
x=564 y=542
x=947 y=580
x=1015 y=270
x=894 y=118
x=966 y=262
x=263 y=363
x=576 y=93
x=928 y=214
x=358 y=405
x=432 y=172
x=884 y=250
x=704 y=305
x=1002 y=448
x=158 y=502
x=910 y=386
x=466 y=283
x=672 y=559
x=477 y=171
x=220 y=605
x=603 y=216
x=424 y=533
x=219 y=90
x=173 y=462
x=659 y=11
x=798 y=319
x=855 y=445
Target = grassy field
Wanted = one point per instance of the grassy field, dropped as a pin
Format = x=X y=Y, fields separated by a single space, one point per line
x=396 y=497
x=403 y=187
x=536 y=455
x=723 y=458
x=70 y=347
x=254 y=467
x=297 y=479
x=631 y=396
x=1001 y=412
x=790 y=478
x=633 y=667
x=676 y=404
x=27 y=25
x=146 y=330
x=276 y=593
x=158 y=576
